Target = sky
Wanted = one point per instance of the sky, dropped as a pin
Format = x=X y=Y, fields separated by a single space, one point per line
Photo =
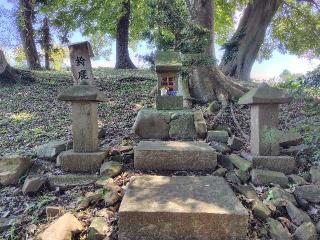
x=265 y=70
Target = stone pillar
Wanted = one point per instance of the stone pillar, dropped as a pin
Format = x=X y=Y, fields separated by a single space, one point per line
x=80 y=54
x=85 y=126
x=85 y=156
x=264 y=122
x=264 y=102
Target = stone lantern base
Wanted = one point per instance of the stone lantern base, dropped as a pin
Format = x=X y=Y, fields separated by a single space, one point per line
x=81 y=162
x=169 y=102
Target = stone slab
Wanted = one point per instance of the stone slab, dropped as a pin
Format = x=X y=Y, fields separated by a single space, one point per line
x=81 y=162
x=265 y=177
x=285 y=164
x=71 y=180
x=169 y=102
x=183 y=207
x=174 y=155
x=218 y=136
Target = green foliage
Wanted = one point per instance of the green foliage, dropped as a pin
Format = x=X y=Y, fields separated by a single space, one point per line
x=307 y=85
x=307 y=88
x=296 y=28
x=270 y=196
x=57 y=56
x=96 y=16
x=20 y=57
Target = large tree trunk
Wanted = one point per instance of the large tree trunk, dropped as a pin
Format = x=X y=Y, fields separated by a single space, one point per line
x=46 y=42
x=7 y=73
x=123 y=60
x=207 y=82
x=25 y=24
x=11 y=75
x=242 y=49
x=200 y=83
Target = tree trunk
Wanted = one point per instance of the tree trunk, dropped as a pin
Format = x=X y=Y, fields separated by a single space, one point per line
x=46 y=42
x=201 y=86
x=7 y=73
x=123 y=60
x=25 y=24
x=11 y=75
x=207 y=82
x=242 y=49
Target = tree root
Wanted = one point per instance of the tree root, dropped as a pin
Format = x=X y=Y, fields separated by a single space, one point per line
x=245 y=136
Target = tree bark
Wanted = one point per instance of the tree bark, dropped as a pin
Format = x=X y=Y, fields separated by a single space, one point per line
x=46 y=42
x=207 y=82
x=242 y=49
x=25 y=24
x=7 y=73
x=201 y=85
x=123 y=60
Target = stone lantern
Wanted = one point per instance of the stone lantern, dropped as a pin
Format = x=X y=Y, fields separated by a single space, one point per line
x=80 y=54
x=264 y=101
x=168 y=66
x=86 y=155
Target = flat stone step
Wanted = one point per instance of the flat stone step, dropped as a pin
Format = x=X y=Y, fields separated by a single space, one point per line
x=181 y=208
x=174 y=155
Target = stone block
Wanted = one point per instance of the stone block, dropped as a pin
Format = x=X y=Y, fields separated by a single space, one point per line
x=306 y=231
x=63 y=228
x=152 y=124
x=169 y=102
x=157 y=155
x=169 y=124
x=265 y=177
x=81 y=162
x=98 y=229
x=277 y=231
x=235 y=143
x=33 y=184
x=285 y=164
x=12 y=168
x=220 y=147
x=110 y=169
x=71 y=180
x=52 y=149
x=184 y=207
x=218 y=136
x=279 y=193
x=200 y=125
x=311 y=193
x=182 y=126
x=240 y=163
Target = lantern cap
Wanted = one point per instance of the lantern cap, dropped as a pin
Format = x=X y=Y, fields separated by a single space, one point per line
x=168 y=61
x=85 y=93
x=265 y=94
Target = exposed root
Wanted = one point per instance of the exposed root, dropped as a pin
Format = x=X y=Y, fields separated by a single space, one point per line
x=245 y=136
